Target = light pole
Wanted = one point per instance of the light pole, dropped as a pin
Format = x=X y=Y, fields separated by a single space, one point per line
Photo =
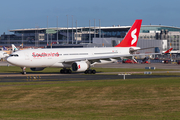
x=22 y=40
x=89 y=31
x=94 y=28
x=47 y=30
x=67 y=31
x=76 y=31
x=51 y=40
x=99 y=28
x=72 y=29
x=57 y=30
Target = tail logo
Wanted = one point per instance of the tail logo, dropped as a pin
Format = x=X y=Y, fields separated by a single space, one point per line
x=133 y=36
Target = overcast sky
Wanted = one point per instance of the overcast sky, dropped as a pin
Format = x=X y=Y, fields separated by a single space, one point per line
x=20 y=14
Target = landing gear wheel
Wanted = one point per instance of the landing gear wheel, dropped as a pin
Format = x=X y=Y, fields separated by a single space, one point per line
x=65 y=71
x=24 y=73
x=90 y=71
x=24 y=70
x=61 y=71
x=93 y=71
x=85 y=72
x=69 y=71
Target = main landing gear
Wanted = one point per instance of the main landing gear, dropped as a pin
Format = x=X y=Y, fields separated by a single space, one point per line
x=65 y=71
x=69 y=71
x=90 y=71
x=23 y=70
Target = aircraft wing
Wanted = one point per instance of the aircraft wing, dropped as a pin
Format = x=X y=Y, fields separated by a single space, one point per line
x=147 y=54
x=96 y=59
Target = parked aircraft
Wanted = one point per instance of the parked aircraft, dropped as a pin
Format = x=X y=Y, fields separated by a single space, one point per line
x=168 y=51
x=3 y=54
x=78 y=59
x=4 y=48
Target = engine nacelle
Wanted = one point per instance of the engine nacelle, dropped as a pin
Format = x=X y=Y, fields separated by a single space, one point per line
x=80 y=66
x=131 y=50
x=37 y=69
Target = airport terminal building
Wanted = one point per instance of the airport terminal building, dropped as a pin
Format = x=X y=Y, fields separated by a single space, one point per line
x=163 y=36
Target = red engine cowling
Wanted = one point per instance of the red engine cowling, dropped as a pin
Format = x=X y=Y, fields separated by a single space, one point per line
x=80 y=66
x=37 y=69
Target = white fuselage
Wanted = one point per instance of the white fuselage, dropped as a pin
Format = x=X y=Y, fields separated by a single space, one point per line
x=3 y=54
x=60 y=57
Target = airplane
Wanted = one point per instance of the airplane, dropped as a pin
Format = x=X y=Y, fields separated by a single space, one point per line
x=3 y=54
x=4 y=48
x=78 y=59
x=168 y=51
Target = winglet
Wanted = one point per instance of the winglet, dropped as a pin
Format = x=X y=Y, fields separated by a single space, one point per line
x=131 y=38
x=168 y=51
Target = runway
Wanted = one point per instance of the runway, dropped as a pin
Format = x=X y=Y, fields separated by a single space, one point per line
x=125 y=65
x=142 y=66
x=34 y=77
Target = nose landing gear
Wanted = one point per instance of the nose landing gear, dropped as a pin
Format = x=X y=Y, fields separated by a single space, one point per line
x=23 y=70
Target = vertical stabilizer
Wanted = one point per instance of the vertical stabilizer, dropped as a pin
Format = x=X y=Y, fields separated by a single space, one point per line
x=14 y=48
x=4 y=48
x=168 y=51
x=131 y=38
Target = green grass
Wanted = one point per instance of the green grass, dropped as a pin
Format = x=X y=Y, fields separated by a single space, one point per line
x=152 y=98
x=15 y=69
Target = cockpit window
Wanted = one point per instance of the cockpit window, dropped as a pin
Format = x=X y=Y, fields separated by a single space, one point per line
x=15 y=55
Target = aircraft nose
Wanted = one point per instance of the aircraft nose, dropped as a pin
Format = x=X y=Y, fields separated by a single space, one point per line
x=10 y=60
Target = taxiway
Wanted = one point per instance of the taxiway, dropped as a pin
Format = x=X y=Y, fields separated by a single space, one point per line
x=17 y=77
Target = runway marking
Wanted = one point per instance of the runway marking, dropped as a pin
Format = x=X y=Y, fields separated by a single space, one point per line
x=33 y=78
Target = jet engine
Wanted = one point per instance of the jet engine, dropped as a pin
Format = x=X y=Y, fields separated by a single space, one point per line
x=80 y=66
x=131 y=50
x=37 y=69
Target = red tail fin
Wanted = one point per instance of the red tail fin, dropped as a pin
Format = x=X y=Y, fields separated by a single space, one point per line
x=168 y=50
x=131 y=38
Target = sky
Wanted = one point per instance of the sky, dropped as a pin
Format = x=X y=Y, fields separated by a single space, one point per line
x=21 y=14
